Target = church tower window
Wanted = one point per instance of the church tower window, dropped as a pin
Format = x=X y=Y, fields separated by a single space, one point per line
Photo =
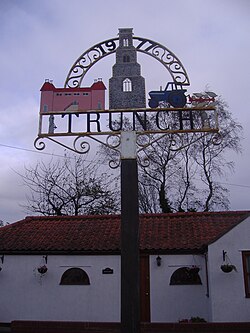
x=126 y=58
x=127 y=85
x=125 y=42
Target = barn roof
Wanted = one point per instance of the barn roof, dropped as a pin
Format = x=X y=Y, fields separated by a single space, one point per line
x=165 y=233
x=49 y=86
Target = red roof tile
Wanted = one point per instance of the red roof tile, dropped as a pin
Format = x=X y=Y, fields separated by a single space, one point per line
x=158 y=232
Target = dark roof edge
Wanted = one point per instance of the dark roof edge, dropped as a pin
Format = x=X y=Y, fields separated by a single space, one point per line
x=102 y=252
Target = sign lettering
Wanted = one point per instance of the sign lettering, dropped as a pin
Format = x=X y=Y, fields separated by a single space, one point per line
x=143 y=120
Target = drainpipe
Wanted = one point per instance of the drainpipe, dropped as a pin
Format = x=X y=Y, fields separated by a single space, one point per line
x=206 y=268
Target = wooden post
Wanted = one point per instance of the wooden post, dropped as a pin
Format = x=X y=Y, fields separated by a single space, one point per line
x=130 y=257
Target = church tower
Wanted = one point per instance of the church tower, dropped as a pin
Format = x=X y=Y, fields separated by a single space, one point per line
x=126 y=86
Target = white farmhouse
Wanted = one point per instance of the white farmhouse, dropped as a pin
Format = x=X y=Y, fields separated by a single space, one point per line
x=67 y=268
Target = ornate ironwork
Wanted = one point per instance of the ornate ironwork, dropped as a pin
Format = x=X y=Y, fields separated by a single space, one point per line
x=39 y=144
x=167 y=120
x=87 y=60
x=164 y=122
x=217 y=139
x=167 y=58
x=84 y=146
x=112 y=142
x=81 y=145
x=95 y=53
x=177 y=143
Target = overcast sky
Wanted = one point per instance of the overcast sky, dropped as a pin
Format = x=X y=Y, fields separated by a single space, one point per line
x=42 y=39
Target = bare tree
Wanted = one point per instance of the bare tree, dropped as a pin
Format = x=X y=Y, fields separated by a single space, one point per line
x=189 y=178
x=213 y=161
x=184 y=172
x=69 y=186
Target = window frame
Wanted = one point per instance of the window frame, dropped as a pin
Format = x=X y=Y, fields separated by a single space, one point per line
x=246 y=272
x=183 y=276
x=127 y=85
x=126 y=58
x=66 y=278
x=125 y=42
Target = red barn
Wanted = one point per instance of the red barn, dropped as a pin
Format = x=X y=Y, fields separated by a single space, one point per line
x=72 y=99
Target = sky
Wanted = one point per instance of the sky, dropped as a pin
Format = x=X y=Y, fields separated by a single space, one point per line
x=42 y=39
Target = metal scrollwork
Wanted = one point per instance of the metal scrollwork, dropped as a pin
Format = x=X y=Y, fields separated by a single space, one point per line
x=39 y=145
x=167 y=58
x=113 y=141
x=217 y=139
x=143 y=161
x=115 y=162
x=143 y=140
x=81 y=147
x=87 y=60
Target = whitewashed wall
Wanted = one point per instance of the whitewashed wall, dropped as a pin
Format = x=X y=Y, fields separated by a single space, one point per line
x=25 y=296
x=228 y=301
x=171 y=303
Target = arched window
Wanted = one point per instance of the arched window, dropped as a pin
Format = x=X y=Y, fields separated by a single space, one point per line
x=127 y=85
x=125 y=42
x=185 y=275
x=126 y=58
x=75 y=276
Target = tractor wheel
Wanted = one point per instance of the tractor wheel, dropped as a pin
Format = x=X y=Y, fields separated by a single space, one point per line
x=177 y=99
x=153 y=103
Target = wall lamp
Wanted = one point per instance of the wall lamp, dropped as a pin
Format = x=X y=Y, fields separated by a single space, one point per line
x=2 y=260
x=158 y=261
x=45 y=258
x=224 y=255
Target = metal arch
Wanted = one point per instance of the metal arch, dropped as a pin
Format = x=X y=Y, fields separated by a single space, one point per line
x=167 y=58
x=87 y=60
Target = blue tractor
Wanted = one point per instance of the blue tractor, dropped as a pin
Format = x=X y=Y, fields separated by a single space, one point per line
x=174 y=94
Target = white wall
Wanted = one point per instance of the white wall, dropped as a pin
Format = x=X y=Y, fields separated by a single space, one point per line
x=171 y=303
x=25 y=296
x=228 y=301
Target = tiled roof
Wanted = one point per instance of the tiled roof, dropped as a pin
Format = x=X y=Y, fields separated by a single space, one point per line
x=158 y=232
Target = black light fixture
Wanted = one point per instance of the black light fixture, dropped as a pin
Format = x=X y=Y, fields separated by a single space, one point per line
x=2 y=259
x=158 y=261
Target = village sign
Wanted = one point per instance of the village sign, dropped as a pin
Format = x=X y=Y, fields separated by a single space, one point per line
x=169 y=111
x=79 y=112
